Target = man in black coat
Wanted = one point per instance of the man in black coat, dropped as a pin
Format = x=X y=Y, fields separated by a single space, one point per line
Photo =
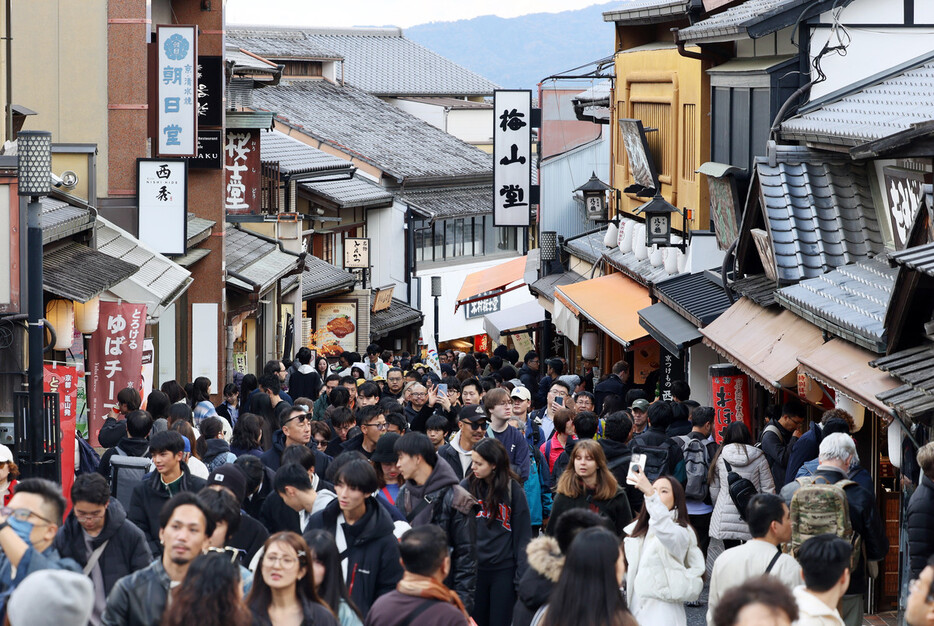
x=97 y=527
x=295 y=429
x=919 y=520
x=529 y=372
x=305 y=382
x=259 y=483
x=138 y=425
x=656 y=444
x=170 y=478
x=247 y=535
x=617 y=383
x=779 y=438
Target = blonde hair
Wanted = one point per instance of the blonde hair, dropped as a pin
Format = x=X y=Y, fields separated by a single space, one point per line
x=572 y=485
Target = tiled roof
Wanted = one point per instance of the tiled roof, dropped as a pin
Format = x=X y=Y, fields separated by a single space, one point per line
x=256 y=259
x=647 y=11
x=758 y=288
x=915 y=368
x=920 y=259
x=61 y=219
x=76 y=272
x=668 y=328
x=320 y=278
x=378 y=133
x=248 y=63
x=696 y=297
x=282 y=43
x=294 y=156
x=875 y=109
x=753 y=18
x=199 y=229
x=818 y=210
x=849 y=302
x=545 y=286
x=438 y=203
x=398 y=315
x=352 y=192
x=450 y=103
x=588 y=246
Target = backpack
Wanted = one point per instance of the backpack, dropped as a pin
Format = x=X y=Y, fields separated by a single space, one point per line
x=696 y=465
x=656 y=460
x=88 y=458
x=819 y=507
x=771 y=428
x=125 y=473
x=742 y=490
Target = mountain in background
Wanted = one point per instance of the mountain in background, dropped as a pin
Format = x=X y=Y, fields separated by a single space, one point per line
x=516 y=53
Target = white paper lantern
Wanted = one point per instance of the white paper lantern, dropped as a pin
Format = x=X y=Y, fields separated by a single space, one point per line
x=610 y=240
x=671 y=260
x=61 y=315
x=853 y=408
x=656 y=256
x=626 y=228
x=87 y=315
x=638 y=242
x=895 y=435
x=589 y=344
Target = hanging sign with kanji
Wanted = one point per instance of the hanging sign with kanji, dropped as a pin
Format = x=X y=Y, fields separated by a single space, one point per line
x=356 y=252
x=115 y=355
x=162 y=189
x=177 y=90
x=730 y=397
x=242 y=171
x=63 y=380
x=512 y=157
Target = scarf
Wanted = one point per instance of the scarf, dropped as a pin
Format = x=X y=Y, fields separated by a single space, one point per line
x=426 y=587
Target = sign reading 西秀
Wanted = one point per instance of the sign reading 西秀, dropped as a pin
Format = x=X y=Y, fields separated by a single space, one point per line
x=512 y=157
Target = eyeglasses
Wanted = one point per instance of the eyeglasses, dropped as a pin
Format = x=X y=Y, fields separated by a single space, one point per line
x=87 y=517
x=20 y=514
x=284 y=560
x=321 y=443
x=475 y=425
x=379 y=426
x=302 y=418
x=233 y=553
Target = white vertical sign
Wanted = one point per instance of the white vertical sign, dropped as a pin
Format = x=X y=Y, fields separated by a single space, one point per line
x=204 y=348
x=162 y=189
x=177 y=93
x=512 y=157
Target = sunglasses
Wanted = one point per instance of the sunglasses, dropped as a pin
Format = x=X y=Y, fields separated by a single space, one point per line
x=475 y=425
x=302 y=418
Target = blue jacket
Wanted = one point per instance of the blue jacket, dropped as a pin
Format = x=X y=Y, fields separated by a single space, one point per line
x=517 y=447
x=805 y=450
x=32 y=561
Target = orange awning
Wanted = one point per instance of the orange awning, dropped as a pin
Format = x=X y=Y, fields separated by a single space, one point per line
x=611 y=302
x=492 y=281
x=845 y=368
x=764 y=343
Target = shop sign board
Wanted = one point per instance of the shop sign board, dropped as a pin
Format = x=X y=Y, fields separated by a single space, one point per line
x=730 y=394
x=176 y=90
x=512 y=157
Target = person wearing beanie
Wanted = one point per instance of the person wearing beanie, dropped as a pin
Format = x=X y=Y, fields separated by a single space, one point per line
x=71 y=603
x=249 y=534
x=385 y=462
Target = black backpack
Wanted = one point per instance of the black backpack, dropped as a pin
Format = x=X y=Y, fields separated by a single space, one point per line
x=656 y=460
x=696 y=465
x=741 y=490
x=125 y=473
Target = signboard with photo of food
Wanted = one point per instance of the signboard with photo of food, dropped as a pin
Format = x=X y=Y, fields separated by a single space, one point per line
x=335 y=327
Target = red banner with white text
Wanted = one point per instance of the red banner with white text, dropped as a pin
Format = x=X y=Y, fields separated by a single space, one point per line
x=63 y=380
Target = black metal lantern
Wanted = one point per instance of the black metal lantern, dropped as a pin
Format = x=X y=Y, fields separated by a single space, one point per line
x=594 y=192
x=657 y=213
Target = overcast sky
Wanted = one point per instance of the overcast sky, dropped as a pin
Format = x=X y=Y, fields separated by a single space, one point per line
x=402 y=13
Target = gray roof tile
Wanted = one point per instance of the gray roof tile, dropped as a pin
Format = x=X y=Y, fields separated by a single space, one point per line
x=849 y=302
x=915 y=368
x=376 y=132
x=398 y=315
x=887 y=105
x=758 y=288
x=588 y=246
x=248 y=63
x=61 y=219
x=737 y=21
x=255 y=258
x=198 y=229
x=819 y=211
x=545 y=286
x=352 y=192
x=77 y=272
x=454 y=201
x=919 y=258
x=320 y=278
x=294 y=156
x=281 y=43
x=695 y=296
x=647 y=11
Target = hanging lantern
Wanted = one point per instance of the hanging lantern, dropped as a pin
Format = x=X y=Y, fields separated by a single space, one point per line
x=61 y=315
x=894 y=438
x=594 y=192
x=625 y=235
x=87 y=315
x=638 y=242
x=656 y=256
x=589 y=343
x=853 y=408
x=611 y=238
x=657 y=212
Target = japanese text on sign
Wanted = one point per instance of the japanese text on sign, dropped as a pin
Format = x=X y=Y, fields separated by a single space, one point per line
x=162 y=188
x=356 y=253
x=242 y=164
x=479 y=308
x=730 y=401
x=512 y=157
x=177 y=99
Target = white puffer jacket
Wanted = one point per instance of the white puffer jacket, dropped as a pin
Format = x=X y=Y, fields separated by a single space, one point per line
x=749 y=462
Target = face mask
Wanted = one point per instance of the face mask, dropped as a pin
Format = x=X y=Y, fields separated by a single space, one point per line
x=22 y=529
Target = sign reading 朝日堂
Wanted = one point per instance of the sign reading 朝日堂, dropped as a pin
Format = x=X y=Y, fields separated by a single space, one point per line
x=512 y=157
x=177 y=90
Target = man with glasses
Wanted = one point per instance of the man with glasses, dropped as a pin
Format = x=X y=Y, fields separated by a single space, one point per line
x=294 y=430
x=779 y=438
x=395 y=381
x=185 y=528
x=99 y=537
x=372 y=423
x=472 y=424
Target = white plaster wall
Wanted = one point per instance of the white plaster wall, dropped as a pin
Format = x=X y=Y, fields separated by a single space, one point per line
x=386 y=231
x=700 y=358
x=471 y=125
x=430 y=113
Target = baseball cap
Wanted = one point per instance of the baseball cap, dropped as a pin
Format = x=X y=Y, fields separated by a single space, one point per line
x=5 y=454
x=642 y=404
x=522 y=393
x=230 y=476
x=472 y=413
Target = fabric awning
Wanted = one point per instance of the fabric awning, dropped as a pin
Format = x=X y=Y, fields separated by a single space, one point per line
x=764 y=343
x=667 y=327
x=611 y=302
x=845 y=367
x=492 y=281
x=76 y=272
x=495 y=324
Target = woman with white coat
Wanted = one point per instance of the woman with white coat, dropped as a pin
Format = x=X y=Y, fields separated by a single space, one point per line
x=739 y=455
x=666 y=567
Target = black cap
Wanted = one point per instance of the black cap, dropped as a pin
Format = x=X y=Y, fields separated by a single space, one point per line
x=472 y=413
x=230 y=476
x=384 y=452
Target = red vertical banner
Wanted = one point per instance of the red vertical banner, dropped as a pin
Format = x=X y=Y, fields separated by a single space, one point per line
x=730 y=396
x=115 y=356
x=242 y=171
x=481 y=343
x=63 y=380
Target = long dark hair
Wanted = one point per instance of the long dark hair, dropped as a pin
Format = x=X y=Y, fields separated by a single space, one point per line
x=260 y=596
x=681 y=506
x=173 y=390
x=157 y=403
x=208 y=595
x=736 y=432
x=326 y=367
x=247 y=385
x=199 y=390
x=261 y=406
x=210 y=428
x=332 y=589
x=493 y=490
x=247 y=433
x=587 y=593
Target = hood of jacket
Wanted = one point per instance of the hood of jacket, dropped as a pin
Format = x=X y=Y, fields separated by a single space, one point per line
x=740 y=455
x=113 y=521
x=133 y=446
x=441 y=476
x=545 y=557
x=214 y=448
x=377 y=522
x=614 y=449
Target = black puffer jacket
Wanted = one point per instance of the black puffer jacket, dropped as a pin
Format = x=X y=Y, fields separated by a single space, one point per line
x=111 y=432
x=138 y=599
x=920 y=524
x=373 y=565
x=545 y=563
x=127 y=549
x=148 y=498
x=453 y=509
